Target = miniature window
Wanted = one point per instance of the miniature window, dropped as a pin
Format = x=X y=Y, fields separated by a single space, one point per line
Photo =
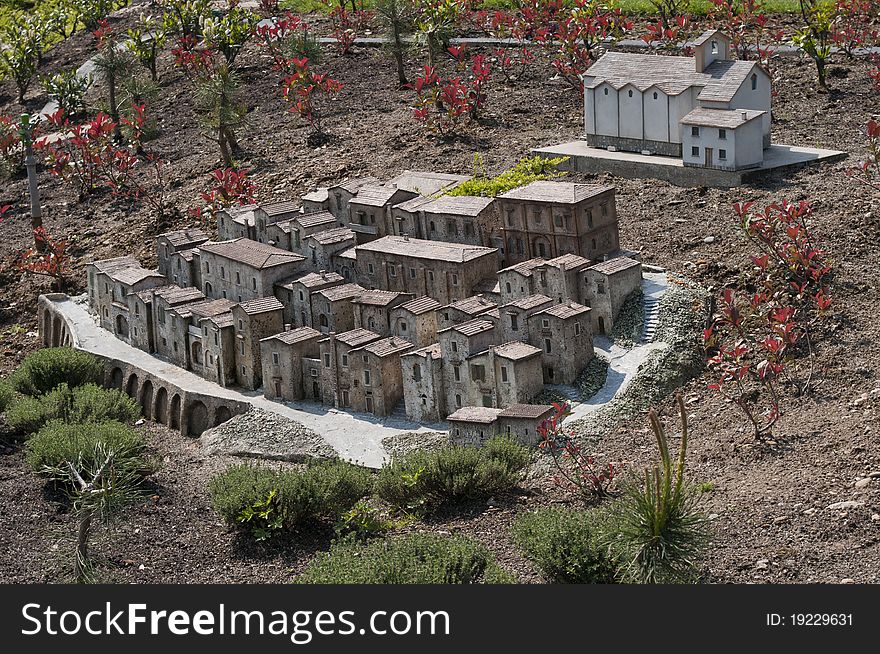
x=458 y=404
x=722 y=154
x=600 y=288
x=137 y=309
x=590 y=219
x=714 y=47
x=207 y=267
x=557 y=220
x=478 y=372
x=504 y=373
x=655 y=95
x=593 y=243
x=695 y=151
x=514 y=322
x=577 y=329
x=455 y=280
x=431 y=276
x=240 y=325
x=162 y=316
x=241 y=347
x=254 y=283
x=238 y=278
x=326 y=360
x=433 y=226
x=345 y=361
x=412 y=273
x=417 y=372
x=275 y=358
x=754 y=82
x=722 y=134
x=487 y=401
x=366 y=358
x=205 y=330
x=243 y=370
x=301 y=297
x=606 y=91
x=630 y=93
x=224 y=294
x=545 y=323
x=222 y=272
x=695 y=131
x=371 y=323
x=604 y=208
x=367 y=379
x=175 y=347
x=216 y=342
x=239 y=299
x=392 y=271
x=402 y=326
x=178 y=264
x=548 y=346
x=456 y=372
x=454 y=346
x=507 y=287
x=370 y=268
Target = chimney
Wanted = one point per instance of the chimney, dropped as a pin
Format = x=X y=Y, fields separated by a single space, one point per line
x=287 y=326
x=745 y=115
x=405 y=236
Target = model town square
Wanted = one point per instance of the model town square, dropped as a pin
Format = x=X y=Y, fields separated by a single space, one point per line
x=440 y=291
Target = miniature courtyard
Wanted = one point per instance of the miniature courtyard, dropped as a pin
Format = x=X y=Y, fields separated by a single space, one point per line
x=345 y=202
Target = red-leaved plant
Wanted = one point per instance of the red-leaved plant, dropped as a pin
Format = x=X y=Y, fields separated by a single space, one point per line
x=868 y=170
x=308 y=92
x=576 y=470
x=48 y=258
x=764 y=329
x=228 y=188
x=345 y=25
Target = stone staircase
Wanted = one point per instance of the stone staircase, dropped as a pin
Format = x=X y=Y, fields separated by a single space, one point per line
x=399 y=412
x=651 y=316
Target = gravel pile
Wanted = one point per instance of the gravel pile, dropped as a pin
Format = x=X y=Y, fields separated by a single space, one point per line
x=402 y=444
x=627 y=328
x=265 y=435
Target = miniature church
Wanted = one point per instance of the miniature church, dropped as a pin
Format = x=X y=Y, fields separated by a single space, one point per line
x=710 y=110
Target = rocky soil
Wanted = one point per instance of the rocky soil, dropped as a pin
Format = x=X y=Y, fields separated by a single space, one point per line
x=800 y=507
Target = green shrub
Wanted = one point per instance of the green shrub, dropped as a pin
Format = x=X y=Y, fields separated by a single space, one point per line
x=6 y=395
x=67 y=89
x=451 y=474
x=45 y=369
x=526 y=171
x=412 y=559
x=58 y=443
x=88 y=403
x=323 y=490
x=362 y=521
x=564 y=545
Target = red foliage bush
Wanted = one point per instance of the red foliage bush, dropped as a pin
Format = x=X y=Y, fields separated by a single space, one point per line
x=308 y=91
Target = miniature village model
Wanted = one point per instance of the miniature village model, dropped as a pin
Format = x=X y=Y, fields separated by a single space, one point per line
x=701 y=120
x=336 y=301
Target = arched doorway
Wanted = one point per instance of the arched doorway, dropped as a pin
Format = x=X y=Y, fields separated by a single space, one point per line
x=132 y=386
x=324 y=323
x=174 y=413
x=196 y=350
x=160 y=410
x=56 y=331
x=147 y=399
x=222 y=415
x=601 y=325
x=196 y=418
x=116 y=378
x=121 y=326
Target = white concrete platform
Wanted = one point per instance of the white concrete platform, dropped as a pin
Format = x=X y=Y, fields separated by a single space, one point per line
x=633 y=165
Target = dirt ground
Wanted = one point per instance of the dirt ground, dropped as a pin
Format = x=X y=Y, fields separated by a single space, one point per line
x=769 y=500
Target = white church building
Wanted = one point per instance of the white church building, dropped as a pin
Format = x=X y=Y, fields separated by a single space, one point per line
x=710 y=110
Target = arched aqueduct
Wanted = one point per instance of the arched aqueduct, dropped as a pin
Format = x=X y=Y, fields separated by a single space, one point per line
x=160 y=400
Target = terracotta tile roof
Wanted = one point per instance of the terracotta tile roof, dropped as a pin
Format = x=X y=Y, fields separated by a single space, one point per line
x=293 y=336
x=314 y=218
x=374 y=195
x=209 y=308
x=321 y=279
x=175 y=295
x=191 y=236
x=473 y=327
x=473 y=305
x=571 y=261
x=330 y=236
x=615 y=265
x=380 y=298
x=565 y=311
x=433 y=351
x=387 y=346
x=728 y=118
x=414 y=204
x=341 y=292
x=456 y=205
x=222 y=320
x=525 y=268
x=528 y=411
x=478 y=414
x=529 y=302
x=280 y=208
x=261 y=305
x=426 y=183
x=357 y=337
x=352 y=185
x=516 y=351
x=420 y=249
x=560 y=192
x=420 y=305
x=251 y=253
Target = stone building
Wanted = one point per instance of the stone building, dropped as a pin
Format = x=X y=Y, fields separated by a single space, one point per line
x=463 y=310
x=142 y=311
x=473 y=425
x=517 y=373
x=607 y=285
x=336 y=380
x=187 y=332
x=416 y=321
x=426 y=182
x=370 y=210
x=459 y=219
x=463 y=386
x=165 y=299
x=282 y=356
x=290 y=234
x=109 y=283
x=243 y=269
x=339 y=195
x=237 y=222
x=175 y=269
x=321 y=247
x=423 y=393
x=520 y=422
x=218 y=348
x=515 y=325
x=317 y=200
x=564 y=334
x=444 y=271
x=406 y=217
x=333 y=308
x=296 y=295
x=254 y=321
x=372 y=309
x=273 y=213
x=547 y=219
x=377 y=383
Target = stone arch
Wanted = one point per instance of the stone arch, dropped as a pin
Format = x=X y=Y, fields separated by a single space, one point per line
x=56 y=331
x=116 y=378
x=121 y=326
x=174 y=413
x=221 y=415
x=147 y=399
x=131 y=386
x=196 y=418
x=541 y=247
x=160 y=408
x=196 y=352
